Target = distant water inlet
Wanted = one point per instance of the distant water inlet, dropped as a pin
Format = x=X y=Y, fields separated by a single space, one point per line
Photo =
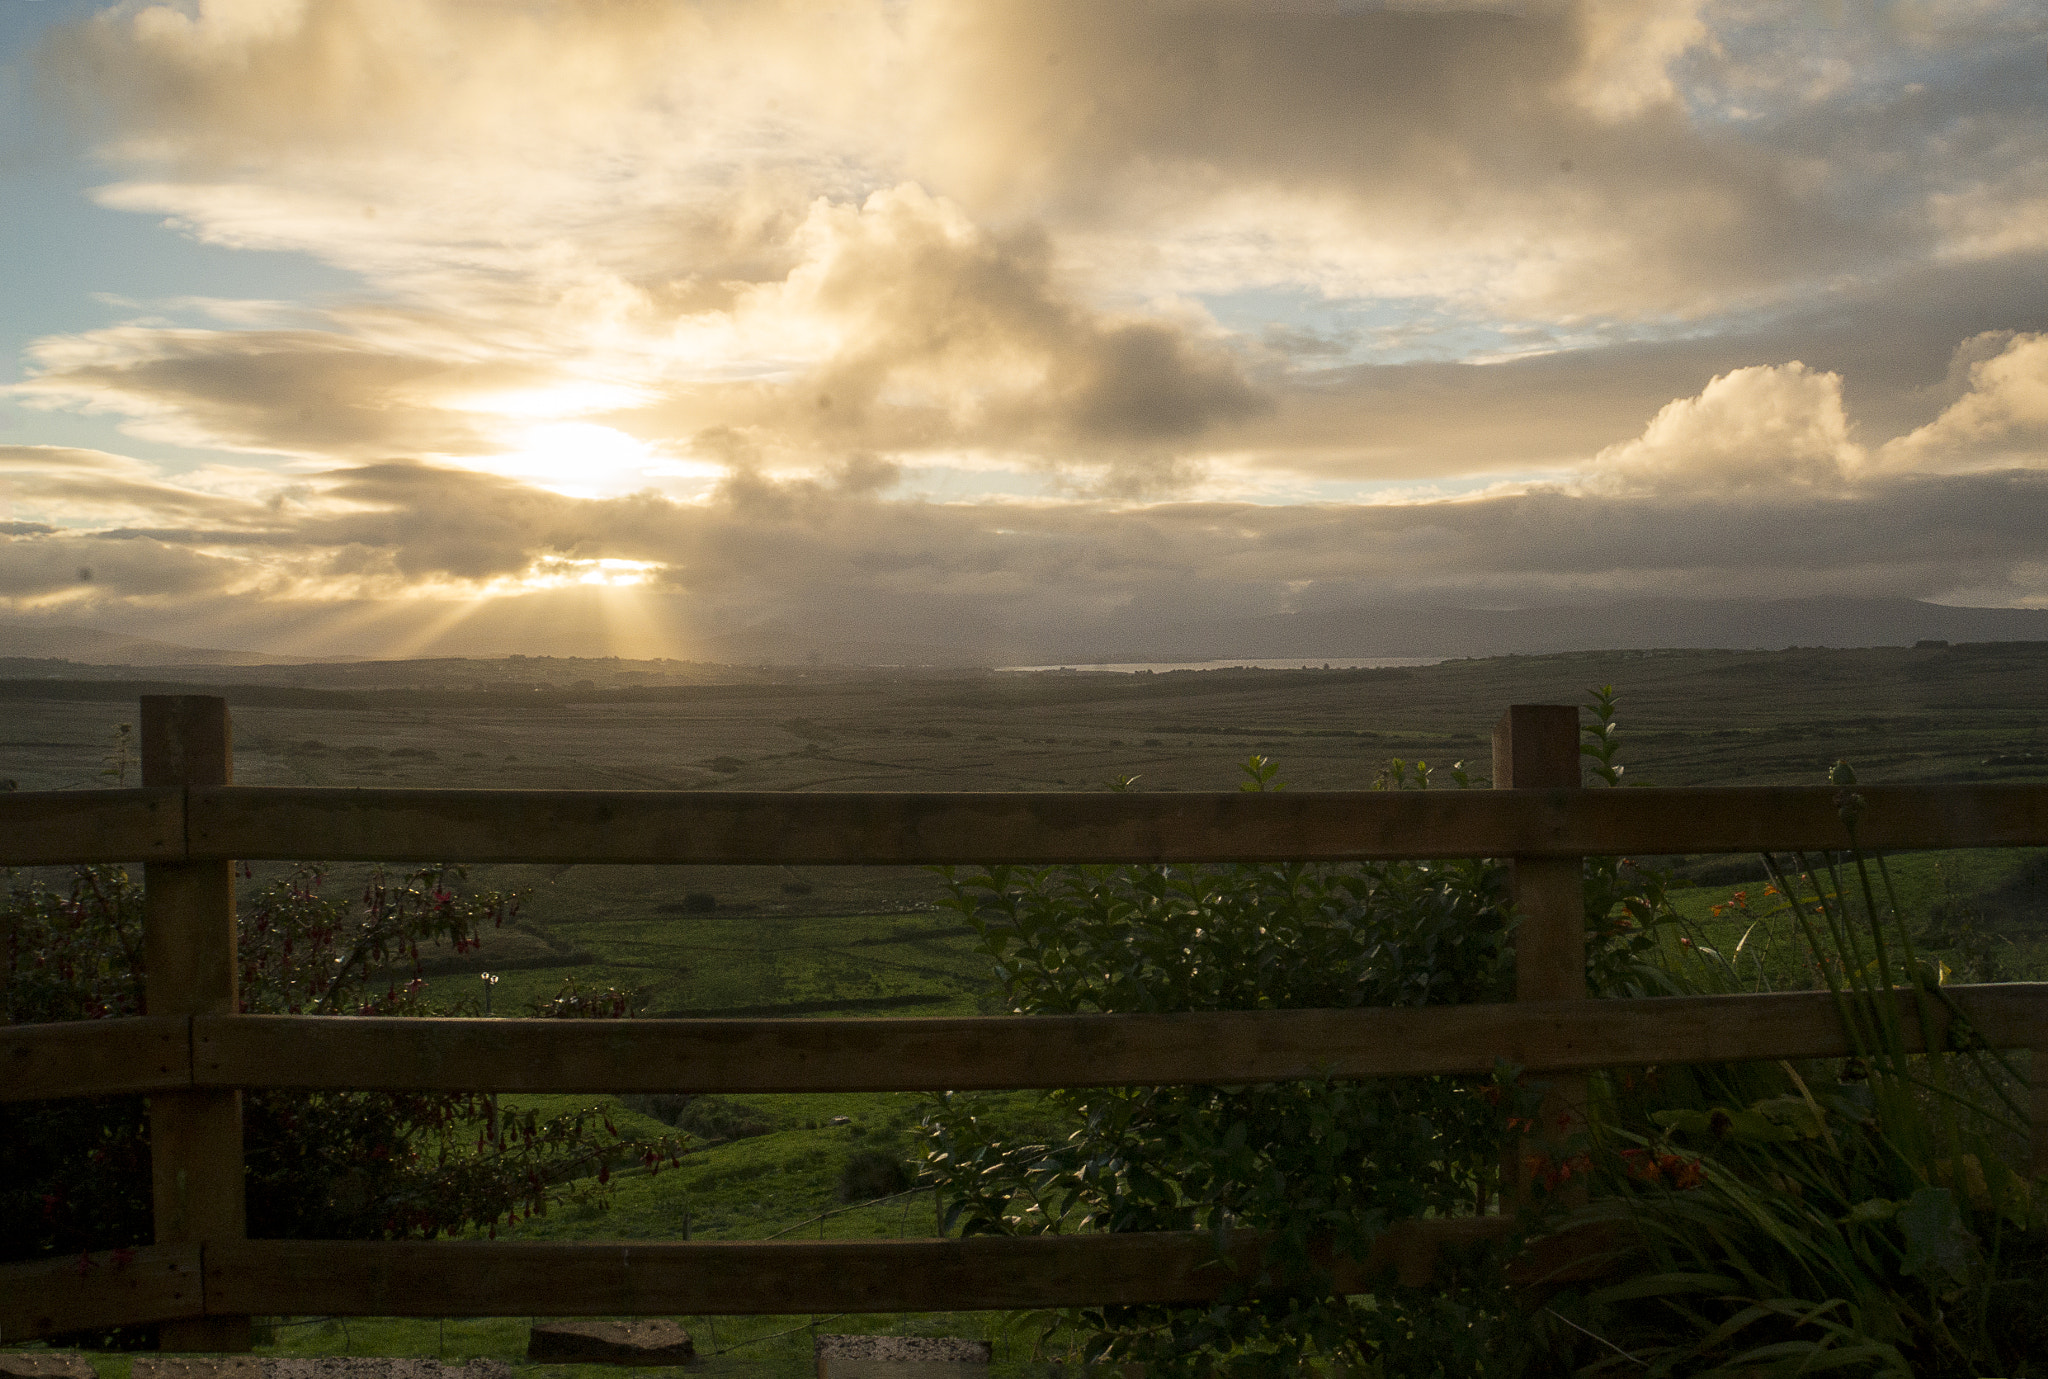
x=1279 y=663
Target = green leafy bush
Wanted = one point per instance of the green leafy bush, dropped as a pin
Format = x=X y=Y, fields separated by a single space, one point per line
x=1318 y=1163
x=871 y=1173
x=351 y=1165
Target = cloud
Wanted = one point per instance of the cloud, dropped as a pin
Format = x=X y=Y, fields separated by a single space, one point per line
x=795 y=562
x=305 y=393
x=718 y=289
x=100 y=575
x=65 y=484
x=2000 y=421
x=1785 y=428
x=937 y=227
x=898 y=326
x=931 y=310
x=1779 y=428
x=1556 y=161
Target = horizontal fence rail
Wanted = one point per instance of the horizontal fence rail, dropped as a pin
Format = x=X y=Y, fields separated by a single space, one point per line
x=139 y=1287
x=151 y=1053
x=58 y=827
x=625 y=1278
x=202 y=1281
x=256 y=823
x=974 y=1053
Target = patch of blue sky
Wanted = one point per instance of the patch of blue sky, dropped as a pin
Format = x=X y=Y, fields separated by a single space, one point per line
x=1314 y=331
x=1393 y=491
x=71 y=265
x=1774 y=64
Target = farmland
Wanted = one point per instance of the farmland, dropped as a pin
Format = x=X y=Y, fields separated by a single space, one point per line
x=864 y=940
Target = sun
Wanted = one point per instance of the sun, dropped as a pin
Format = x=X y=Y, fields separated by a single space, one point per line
x=578 y=459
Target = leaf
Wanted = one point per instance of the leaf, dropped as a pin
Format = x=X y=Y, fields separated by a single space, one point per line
x=1663 y=1285
x=1876 y=1209
x=1794 y=1113
x=1939 y=1247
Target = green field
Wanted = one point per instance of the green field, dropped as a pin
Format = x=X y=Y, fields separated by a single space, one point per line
x=865 y=941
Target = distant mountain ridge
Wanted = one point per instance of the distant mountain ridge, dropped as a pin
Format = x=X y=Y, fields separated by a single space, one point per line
x=1630 y=624
x=1637 y=624
x=85 y=645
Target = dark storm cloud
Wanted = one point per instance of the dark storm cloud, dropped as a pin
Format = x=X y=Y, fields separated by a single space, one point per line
x=1499 y=134
x=121 y=575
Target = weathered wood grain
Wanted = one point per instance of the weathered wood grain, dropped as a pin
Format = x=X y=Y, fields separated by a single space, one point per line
x=40 y=828
x=995 y=1052
x=255 y=822
x=189 y=944
x=95 y=1058
x=2038 y=1074
x=500 y=1278
x=1536 y=746
x=153 y=1283
x=811 y=829
x=490 y=1278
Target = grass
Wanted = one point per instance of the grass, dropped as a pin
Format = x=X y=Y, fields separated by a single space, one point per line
x=857 y=941
x=746 y=963
x=726 y=1346
x=1976 y=910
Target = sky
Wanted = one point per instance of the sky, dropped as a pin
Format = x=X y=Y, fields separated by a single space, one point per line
x=704 y=328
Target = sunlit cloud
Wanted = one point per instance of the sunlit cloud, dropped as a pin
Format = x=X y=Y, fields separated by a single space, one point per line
x=761 y=315
x=604 y=573
x=574 y=457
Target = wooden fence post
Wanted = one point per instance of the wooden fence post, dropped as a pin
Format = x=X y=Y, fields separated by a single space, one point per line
x=188 y=928
x=1536 y=747
x=2038 y=1071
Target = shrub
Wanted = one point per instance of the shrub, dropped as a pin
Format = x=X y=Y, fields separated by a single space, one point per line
x=706 y=1119
x=871 y=1173
x=1318 y=1163
x=352 y=1165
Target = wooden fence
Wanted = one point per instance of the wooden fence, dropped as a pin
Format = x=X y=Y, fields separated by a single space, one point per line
x=193 y=1053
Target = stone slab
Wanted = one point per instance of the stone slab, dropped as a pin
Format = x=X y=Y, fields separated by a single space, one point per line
x=639 y=1341
x=44 y=1364
x=899 y=1349
x=197 y=1367
x=376 y=1367
x=901 y=1357
x=308 y=1367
